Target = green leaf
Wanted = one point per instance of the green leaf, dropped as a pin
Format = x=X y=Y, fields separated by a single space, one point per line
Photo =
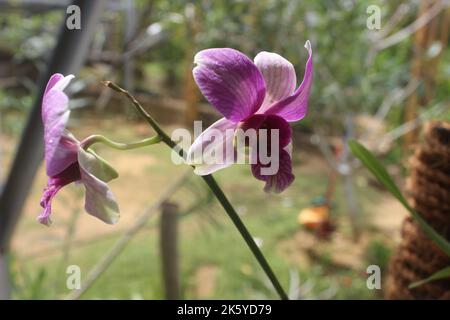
x=441 y=274
x=377 y=169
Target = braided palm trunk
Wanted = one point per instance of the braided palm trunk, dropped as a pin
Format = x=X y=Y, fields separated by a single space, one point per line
x=417 y=257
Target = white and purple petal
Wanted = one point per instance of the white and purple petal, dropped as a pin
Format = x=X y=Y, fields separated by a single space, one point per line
x=213 y=149
x=279 y=76
x=52 y=81
x=100 y=201
x=230 y=81
x=55 y=114
x=96 y=165
x=295 y=107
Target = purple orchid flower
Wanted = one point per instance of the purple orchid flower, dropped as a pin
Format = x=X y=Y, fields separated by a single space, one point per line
x=259 y=94
x=67 y=162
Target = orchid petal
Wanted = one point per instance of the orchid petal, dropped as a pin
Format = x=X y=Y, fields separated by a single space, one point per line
x=215 y=140
x=279 y=76
x=295 y=107
x=270 y=122
x=52 y=81
x=64 y=154
x=62 y=83
x=230 y=82
x=96 y=165
x=46 y=203
x=55 y=114
x=100 y=201
x=68 y=175
x=282 y=179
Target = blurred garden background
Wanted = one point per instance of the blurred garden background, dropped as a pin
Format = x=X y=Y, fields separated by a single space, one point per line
x=375 y=85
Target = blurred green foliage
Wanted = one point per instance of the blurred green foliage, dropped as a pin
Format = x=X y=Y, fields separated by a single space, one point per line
x=28 y=35
x=347 y=77
x=378 y=253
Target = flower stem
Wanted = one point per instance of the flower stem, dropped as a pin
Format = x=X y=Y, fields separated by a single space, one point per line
x=209 y=179
x=215 y=188
x=86 y=143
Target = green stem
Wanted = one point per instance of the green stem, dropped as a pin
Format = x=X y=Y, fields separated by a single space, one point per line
x=209 y=179
x=86 y=143
x=139 y=109
x=215 y=188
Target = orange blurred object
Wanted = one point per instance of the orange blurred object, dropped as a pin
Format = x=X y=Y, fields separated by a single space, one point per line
x=317 y=219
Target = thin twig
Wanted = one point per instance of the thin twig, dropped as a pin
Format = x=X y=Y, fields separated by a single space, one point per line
x=395 y=97
x=412 y=28
x=406 y=127
x=396 y=17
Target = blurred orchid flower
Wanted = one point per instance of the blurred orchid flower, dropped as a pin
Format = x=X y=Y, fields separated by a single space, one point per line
x=251 y=95
x=67 y=162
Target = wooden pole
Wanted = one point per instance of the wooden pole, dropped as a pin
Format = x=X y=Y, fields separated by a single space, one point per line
x=169 y=250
